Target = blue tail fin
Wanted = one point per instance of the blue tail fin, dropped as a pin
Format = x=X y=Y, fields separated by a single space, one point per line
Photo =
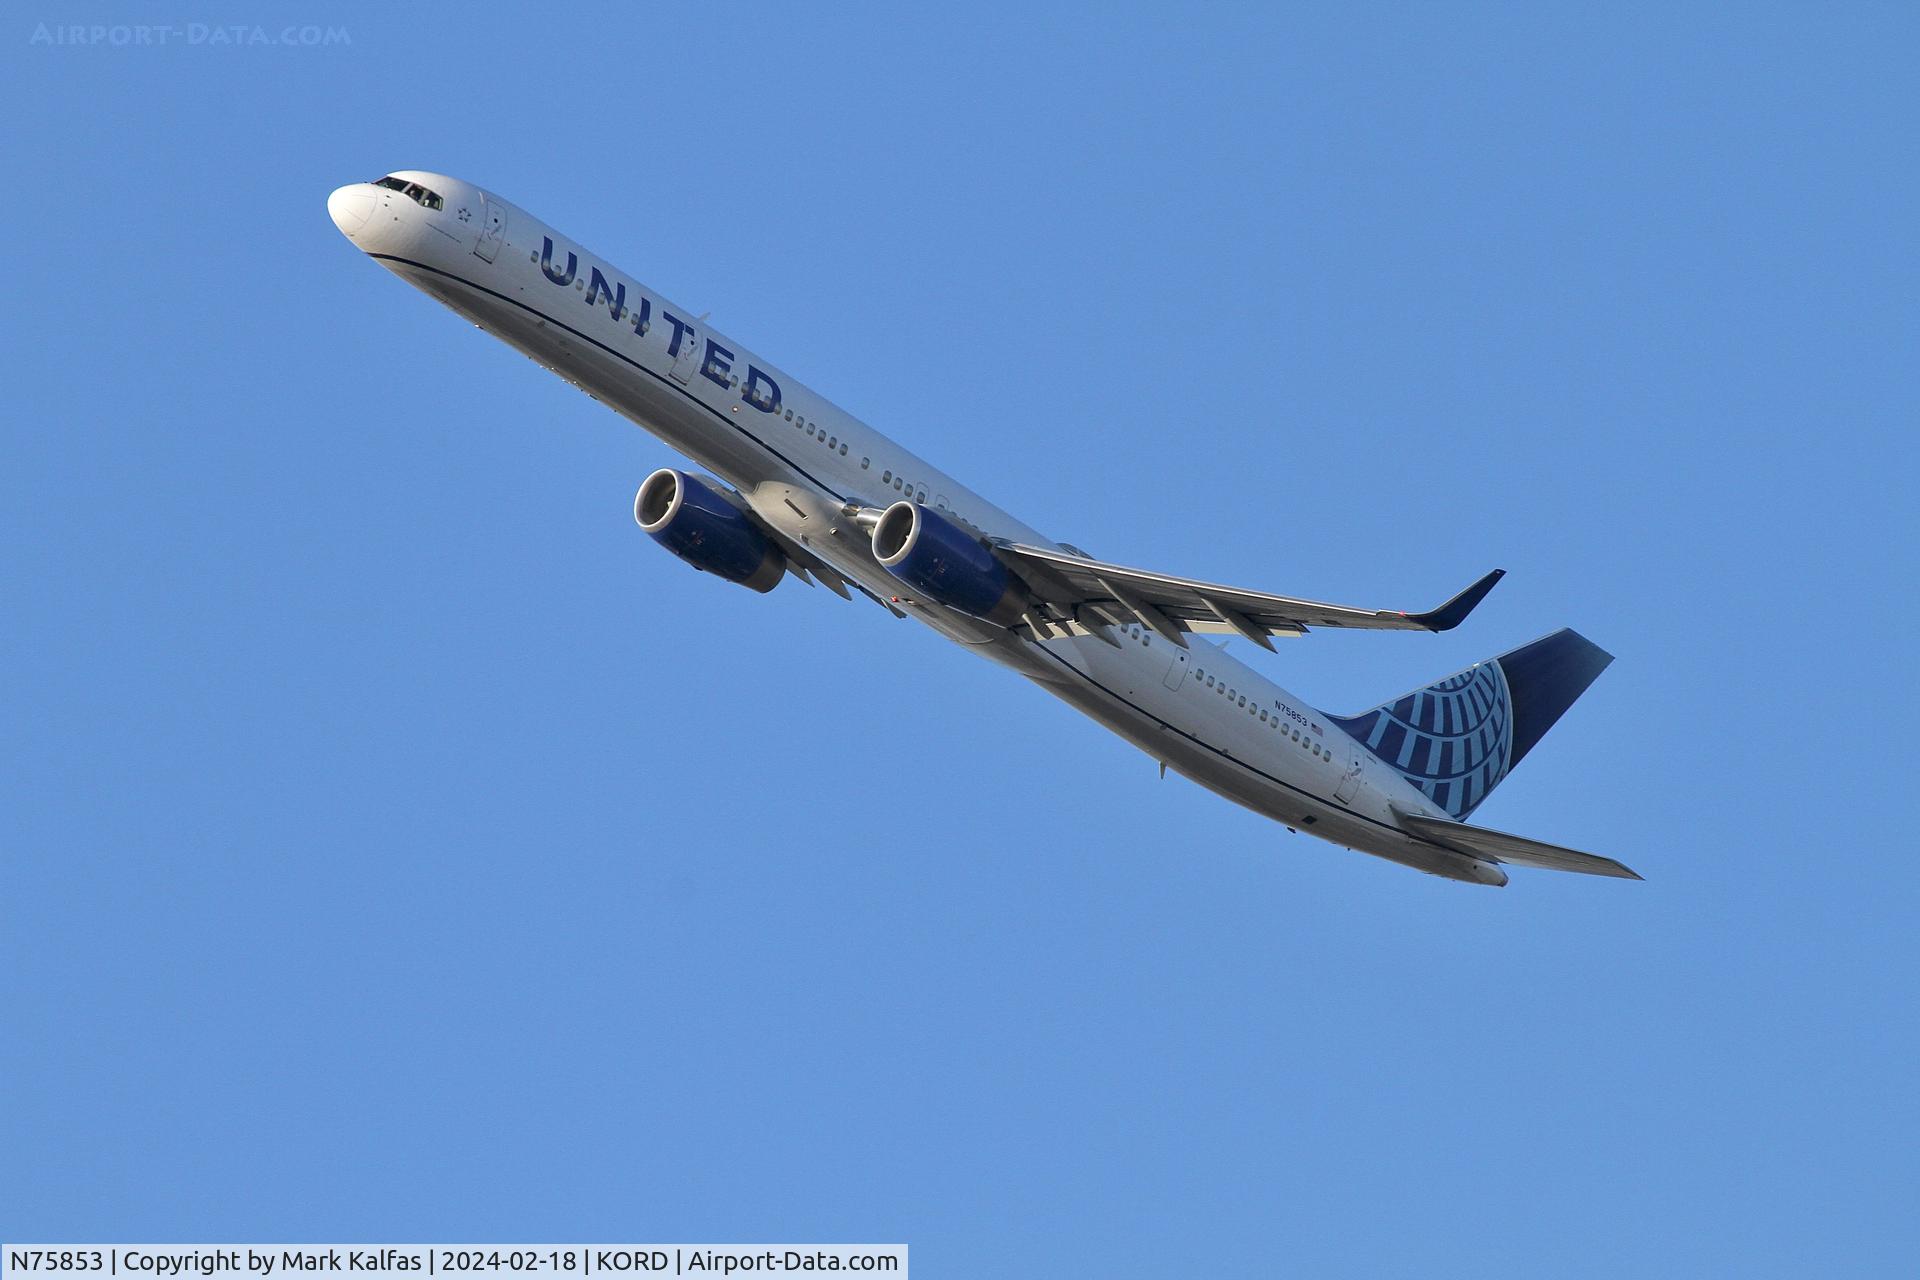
x=1457 y=738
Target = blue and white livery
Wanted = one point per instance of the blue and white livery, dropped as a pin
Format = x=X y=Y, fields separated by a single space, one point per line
x=785 y=484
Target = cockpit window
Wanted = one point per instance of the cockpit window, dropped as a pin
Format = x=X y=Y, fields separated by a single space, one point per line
x=412 y=191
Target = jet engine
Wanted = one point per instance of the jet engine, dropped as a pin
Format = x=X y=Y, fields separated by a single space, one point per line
x=689 y=518
x=946 y=564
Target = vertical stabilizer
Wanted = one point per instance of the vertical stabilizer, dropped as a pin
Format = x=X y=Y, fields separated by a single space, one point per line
x=1458 y=737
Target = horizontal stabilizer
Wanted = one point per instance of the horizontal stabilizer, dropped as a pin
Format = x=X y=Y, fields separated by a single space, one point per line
x=1498 y=846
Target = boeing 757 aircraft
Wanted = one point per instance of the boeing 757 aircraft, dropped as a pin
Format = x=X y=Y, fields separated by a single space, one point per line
x=791 y=486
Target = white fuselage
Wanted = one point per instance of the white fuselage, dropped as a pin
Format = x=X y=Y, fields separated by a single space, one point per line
x=805 y=465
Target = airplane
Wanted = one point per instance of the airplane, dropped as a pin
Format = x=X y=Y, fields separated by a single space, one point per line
x=787 y=485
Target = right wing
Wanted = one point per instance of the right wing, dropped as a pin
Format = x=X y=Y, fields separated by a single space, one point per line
x=1498 y=846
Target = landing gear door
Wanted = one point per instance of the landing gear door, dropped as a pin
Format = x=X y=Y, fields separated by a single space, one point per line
x=493 y=230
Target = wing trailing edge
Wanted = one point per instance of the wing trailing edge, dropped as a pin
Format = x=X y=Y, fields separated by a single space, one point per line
x=1169 y=604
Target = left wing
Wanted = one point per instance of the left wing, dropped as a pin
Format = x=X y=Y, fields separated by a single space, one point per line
x=1076 y=585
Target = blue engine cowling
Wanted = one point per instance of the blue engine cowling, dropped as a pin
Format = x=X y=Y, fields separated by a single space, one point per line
x=946 y=564
x=701 y=527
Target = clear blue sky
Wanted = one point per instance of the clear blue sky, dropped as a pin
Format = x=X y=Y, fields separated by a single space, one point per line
x=397 y=845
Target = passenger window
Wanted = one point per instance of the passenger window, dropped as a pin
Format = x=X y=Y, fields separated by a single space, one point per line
x=865 y=463
x=886 y=477
x=896 y=485
x=843 y=451
x=789 y=415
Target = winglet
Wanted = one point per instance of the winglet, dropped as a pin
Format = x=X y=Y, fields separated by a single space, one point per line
x=1455 y=611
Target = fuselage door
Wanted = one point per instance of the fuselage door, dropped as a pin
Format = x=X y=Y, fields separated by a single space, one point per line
x=1350 y=781
x=492 y=230
x=685 y=360
x=1177 y=673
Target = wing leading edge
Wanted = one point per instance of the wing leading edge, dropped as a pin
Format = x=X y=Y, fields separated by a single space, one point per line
x=1171 y=605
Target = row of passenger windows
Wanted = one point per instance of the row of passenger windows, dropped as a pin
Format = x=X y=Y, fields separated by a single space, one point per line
x=900 y=483
x=1272 y=720
x=1285 y=729
x=815 y=431
x=903 y=485
x=413 y=191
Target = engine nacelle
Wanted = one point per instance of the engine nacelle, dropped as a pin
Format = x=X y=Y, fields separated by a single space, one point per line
x=700 y=526
x=946 y=564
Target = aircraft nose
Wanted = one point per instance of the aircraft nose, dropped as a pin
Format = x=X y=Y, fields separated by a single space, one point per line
x=350 y=208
